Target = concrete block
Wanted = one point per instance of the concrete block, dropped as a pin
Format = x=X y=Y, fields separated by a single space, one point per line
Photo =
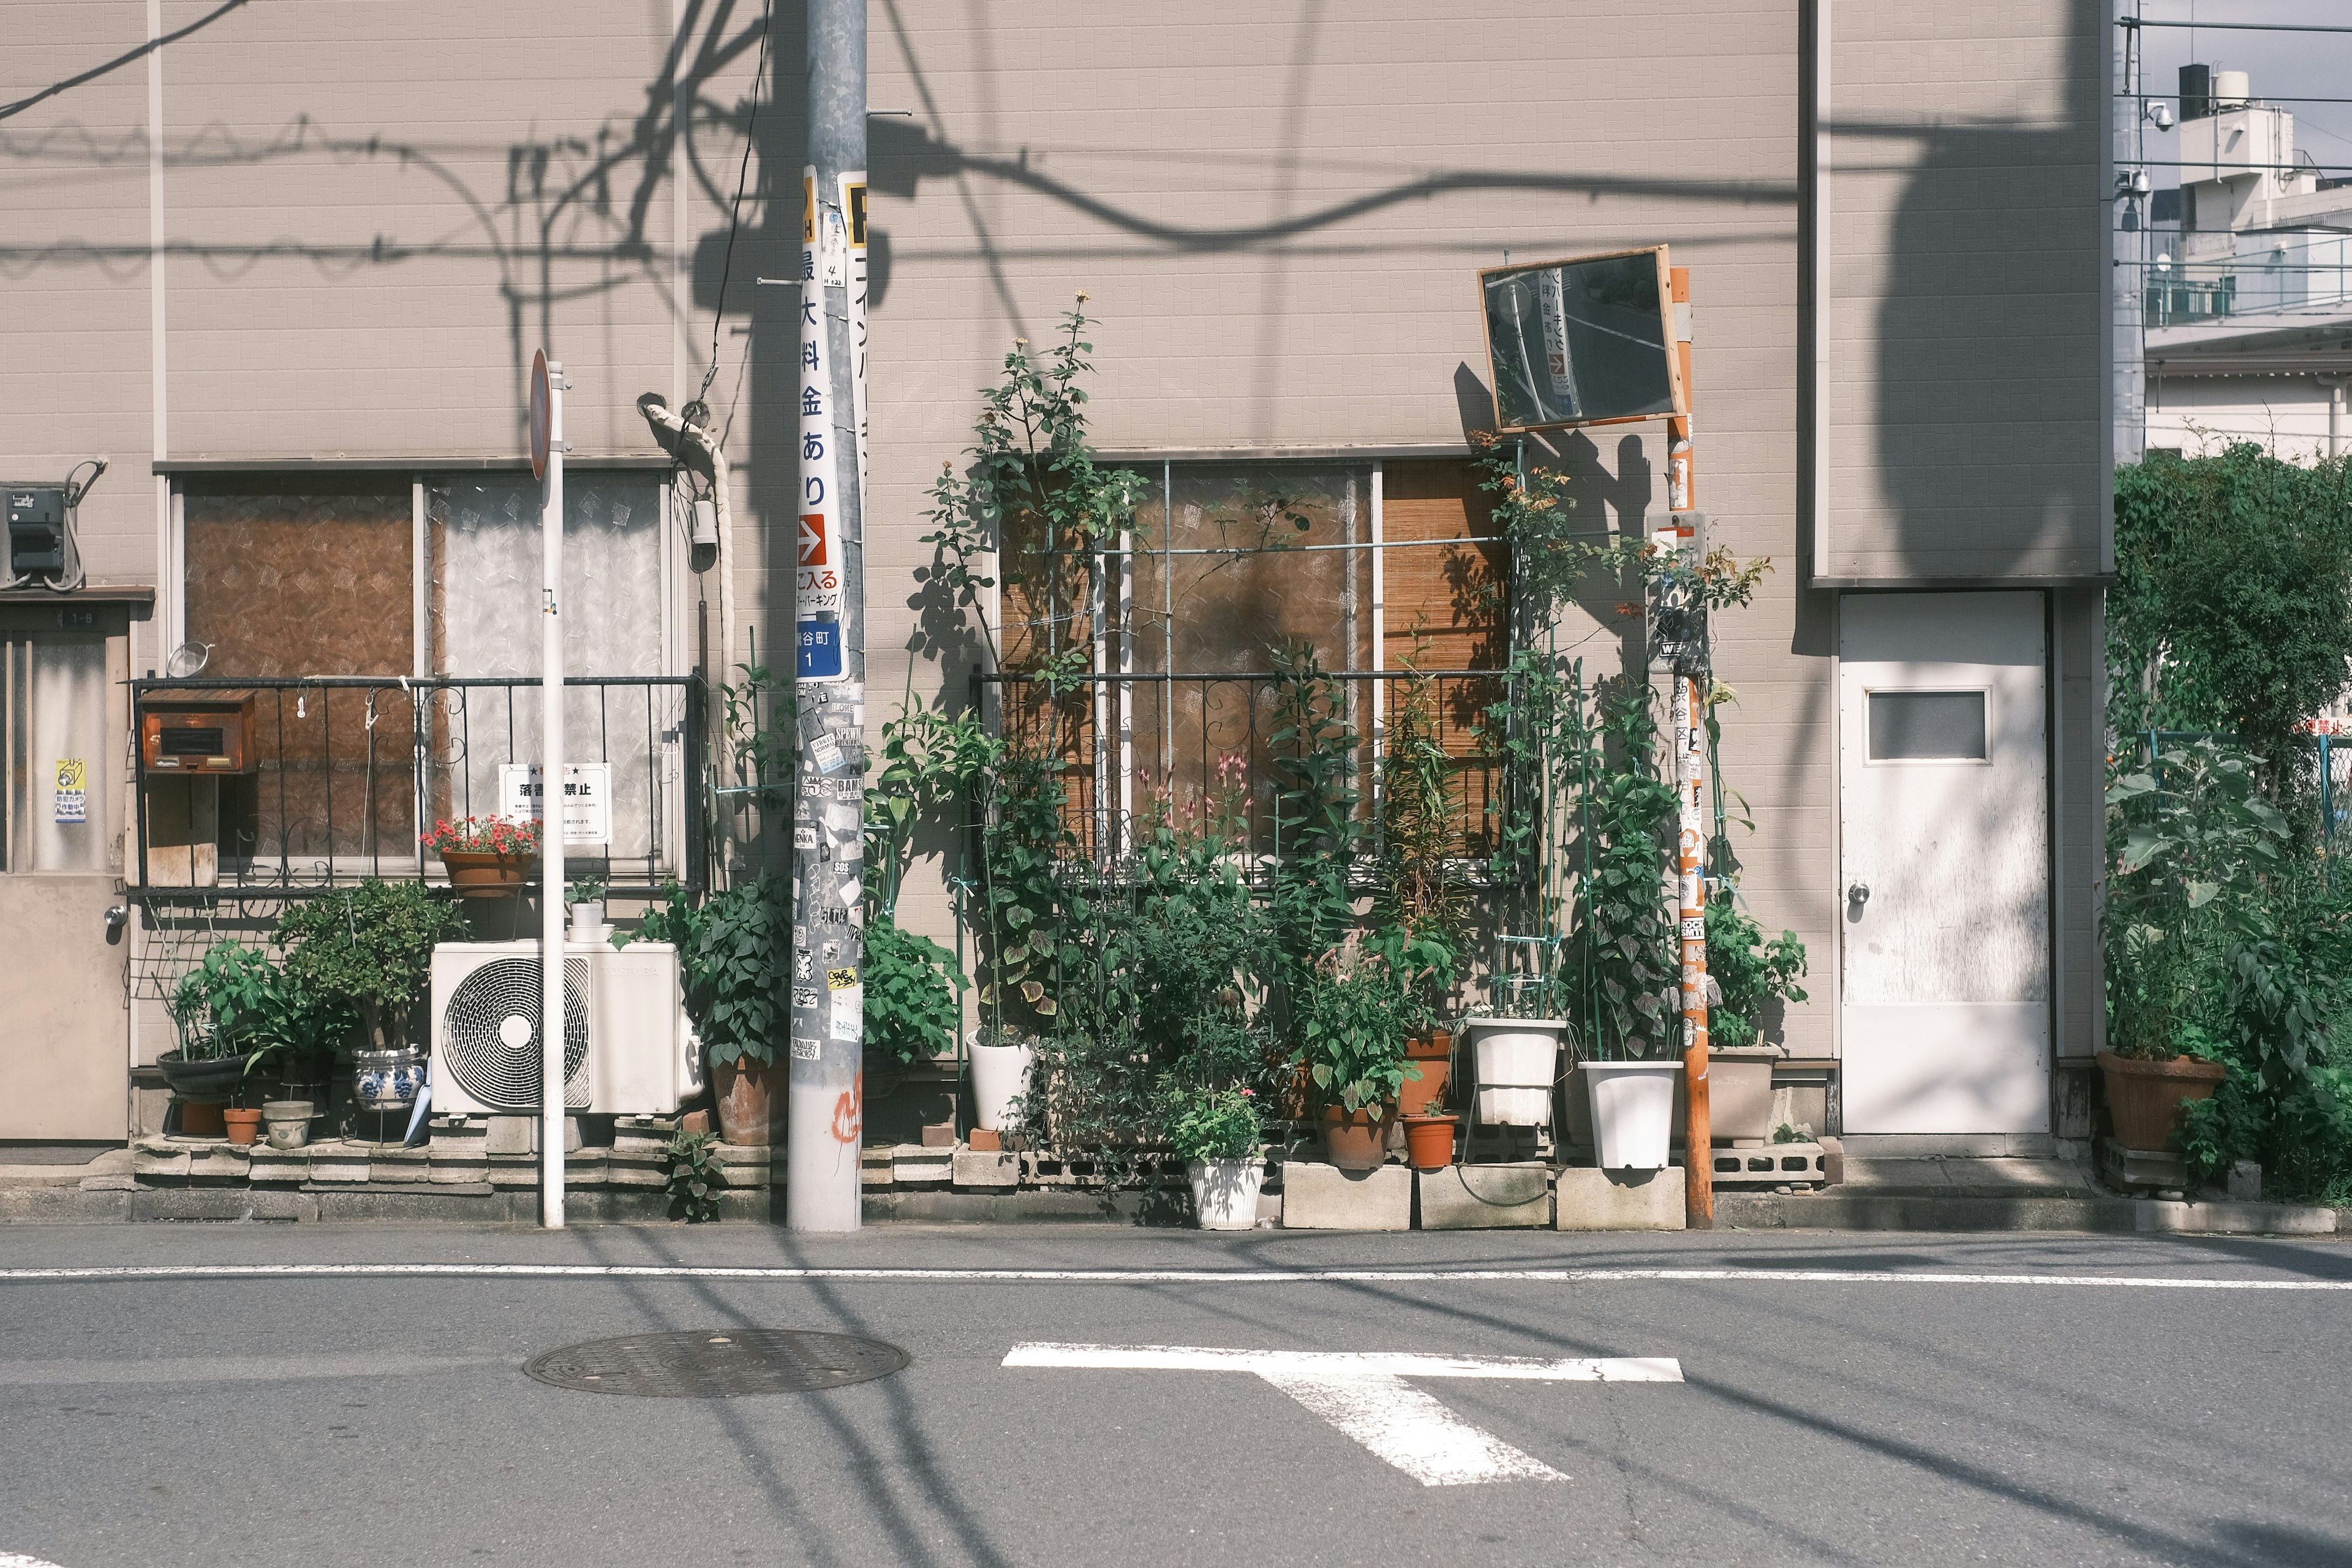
x=400 y=1164
x=465 y=1164
x=636 y=1168
x=749 y=1167
x=873 y=1167
x=921 y=1165
x=984 y=1141
x=1325 y=1197
x=272 y=1166
x=1485 y=1197
x=511 y=1135
x=459 y=1134
x=2234 y=1219
x=159 y=1159
x=642 y=1134
x=981 y=1168
x=1588 y=1199
x=336 y=1161
x=220 y=1163
x=512 y=1170
x=2245 y=1182
x=1833 y=1162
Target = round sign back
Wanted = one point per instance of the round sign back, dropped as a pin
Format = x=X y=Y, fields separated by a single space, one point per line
x=539 y=414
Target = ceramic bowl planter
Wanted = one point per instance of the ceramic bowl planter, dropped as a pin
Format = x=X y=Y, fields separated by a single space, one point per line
x=214 y=1079
x=1000 y=1074
x=486 y=874
x=1429 y=1142
x=1357 y=1140
x=1633 y=1112
x=1517 y=1061
x=1434 y=1055
x=386 y=1081
x=2149 y=1099
x=243 y=1126
x=1224 y=1192
x=750 y=1095
x=289 y=1122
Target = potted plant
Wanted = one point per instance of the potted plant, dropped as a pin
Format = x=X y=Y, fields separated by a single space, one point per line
x=1000 y=1063
x=1354 y=1022
x=1429 y=1132
x=1747 y=975
x=585 y=899
x=371 y=948
x=486 y=857
x=1633 y=1112
x=731 y=957
x=1218 y=1135
x=232 y=1011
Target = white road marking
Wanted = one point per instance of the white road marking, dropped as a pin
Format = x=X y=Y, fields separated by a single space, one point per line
x=1364 y=1394
x=1144 y=1276
x=18 y=1560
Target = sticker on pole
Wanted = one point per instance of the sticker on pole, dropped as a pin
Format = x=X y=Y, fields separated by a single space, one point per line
x=817 y=589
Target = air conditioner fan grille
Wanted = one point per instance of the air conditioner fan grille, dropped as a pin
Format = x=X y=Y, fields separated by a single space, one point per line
x=489 y=1034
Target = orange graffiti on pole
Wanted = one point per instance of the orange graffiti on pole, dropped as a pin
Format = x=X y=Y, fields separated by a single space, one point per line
x=849 y=1112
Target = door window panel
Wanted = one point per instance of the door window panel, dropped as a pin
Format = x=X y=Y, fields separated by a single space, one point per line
x=1928 y=726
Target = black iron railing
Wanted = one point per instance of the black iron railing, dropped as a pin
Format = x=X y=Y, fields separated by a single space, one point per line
x=348 y=771
x=1193 y=747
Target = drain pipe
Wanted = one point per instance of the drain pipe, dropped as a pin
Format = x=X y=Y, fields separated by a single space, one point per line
x=685 y=434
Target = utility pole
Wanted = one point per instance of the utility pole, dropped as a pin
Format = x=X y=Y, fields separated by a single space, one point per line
x=826 y=1113
x=1687 y=713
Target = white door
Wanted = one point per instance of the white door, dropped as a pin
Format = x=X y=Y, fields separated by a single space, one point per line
x=1943 y=793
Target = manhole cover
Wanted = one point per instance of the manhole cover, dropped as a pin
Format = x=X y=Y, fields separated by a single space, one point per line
x=716 y=1364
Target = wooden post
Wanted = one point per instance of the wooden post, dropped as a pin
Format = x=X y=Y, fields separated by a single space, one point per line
x=1689 y=723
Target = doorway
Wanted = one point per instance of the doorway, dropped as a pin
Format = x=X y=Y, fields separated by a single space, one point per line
x=1944 y=814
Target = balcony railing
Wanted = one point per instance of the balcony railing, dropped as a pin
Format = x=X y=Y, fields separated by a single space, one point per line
x=347 y=771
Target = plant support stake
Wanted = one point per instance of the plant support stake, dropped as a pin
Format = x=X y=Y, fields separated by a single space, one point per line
x=826 y=1108
x=547 y=442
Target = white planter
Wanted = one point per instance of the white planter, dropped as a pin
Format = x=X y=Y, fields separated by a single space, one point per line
x=1224 y=1192
x=586 y=921
x=1633 y=1112
x=1516 y=1062
x=998 y=1074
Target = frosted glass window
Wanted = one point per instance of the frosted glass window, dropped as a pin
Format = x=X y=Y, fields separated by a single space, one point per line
x=60 y=808
x=1927 y=726
x=485 y=609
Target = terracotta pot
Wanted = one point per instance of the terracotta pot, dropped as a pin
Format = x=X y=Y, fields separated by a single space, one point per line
x=1434 y=1056
x=244 y=1126
x=2146 y=1097
x=200 y=1121
x=750 y=1098
x=1429 y=1142
x=482 y=874
x=1357 y=1140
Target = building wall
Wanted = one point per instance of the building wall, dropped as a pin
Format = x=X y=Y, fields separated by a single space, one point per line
x=374 y=214
x=2202 y=415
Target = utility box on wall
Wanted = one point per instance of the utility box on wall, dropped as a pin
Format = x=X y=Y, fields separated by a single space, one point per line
x=214 y=736
x=187 y=746
x=37 y=529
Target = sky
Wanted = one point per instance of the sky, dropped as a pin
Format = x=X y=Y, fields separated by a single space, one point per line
x=2283 y=65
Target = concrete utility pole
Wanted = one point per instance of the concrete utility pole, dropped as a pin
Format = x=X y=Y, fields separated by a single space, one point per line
x=547 y=456
x=1688 y=719
x=826 y=1113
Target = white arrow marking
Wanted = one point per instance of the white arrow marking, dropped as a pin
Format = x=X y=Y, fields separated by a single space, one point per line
x=1366 y=1396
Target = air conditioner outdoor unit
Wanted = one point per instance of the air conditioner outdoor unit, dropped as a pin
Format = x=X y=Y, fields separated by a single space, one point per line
x=628 y=1050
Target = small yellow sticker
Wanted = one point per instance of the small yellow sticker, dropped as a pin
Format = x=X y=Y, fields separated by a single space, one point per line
x=840 y=979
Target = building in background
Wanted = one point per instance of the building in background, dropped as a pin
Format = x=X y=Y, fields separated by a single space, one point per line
x=2248 y=295
x=285 y=268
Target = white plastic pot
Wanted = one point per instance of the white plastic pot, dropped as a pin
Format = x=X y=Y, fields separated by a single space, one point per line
x=998 y=1074
x=1633 y=1112
x=588 y=920
x=1518 y=1060
x=1224 y=1192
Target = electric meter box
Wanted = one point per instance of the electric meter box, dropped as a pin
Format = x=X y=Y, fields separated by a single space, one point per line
x=196 y=736
x=36 y=529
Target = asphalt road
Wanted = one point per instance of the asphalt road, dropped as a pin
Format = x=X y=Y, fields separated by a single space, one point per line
x=1833 y=1405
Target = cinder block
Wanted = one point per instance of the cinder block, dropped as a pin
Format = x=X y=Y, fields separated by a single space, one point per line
x=271 y=1166
x=921 y=1165
x=981 y=1168
x=748 y=1167
x=336 y=1161
x=2245 y=1182
x=873 y=1167
x=1588 y=1199
x=155 y=1159
x=512 y=1170
x=636 y=1168
x=1485 y=1197
x=1325 y=1197
x=642 y=1134
x=220 y=1163
x=511 y=1135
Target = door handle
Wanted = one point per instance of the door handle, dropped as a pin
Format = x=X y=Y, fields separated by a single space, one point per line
x=1857 y=893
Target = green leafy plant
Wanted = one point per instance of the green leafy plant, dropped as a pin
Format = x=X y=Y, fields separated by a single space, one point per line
x=585 y=890
x=695 y=1176
x=911 y=984
x=370 y=948
x=1211 y=1124
x=236 y=1002
x=1355 y=1020
x=1751 y=972
x=735 y=969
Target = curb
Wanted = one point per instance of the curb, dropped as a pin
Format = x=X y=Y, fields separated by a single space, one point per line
x=1836 y=1210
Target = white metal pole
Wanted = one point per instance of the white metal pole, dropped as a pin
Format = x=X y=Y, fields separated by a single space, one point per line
x=551 y=816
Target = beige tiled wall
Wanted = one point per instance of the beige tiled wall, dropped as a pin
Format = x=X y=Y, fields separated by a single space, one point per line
x=375 y=213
